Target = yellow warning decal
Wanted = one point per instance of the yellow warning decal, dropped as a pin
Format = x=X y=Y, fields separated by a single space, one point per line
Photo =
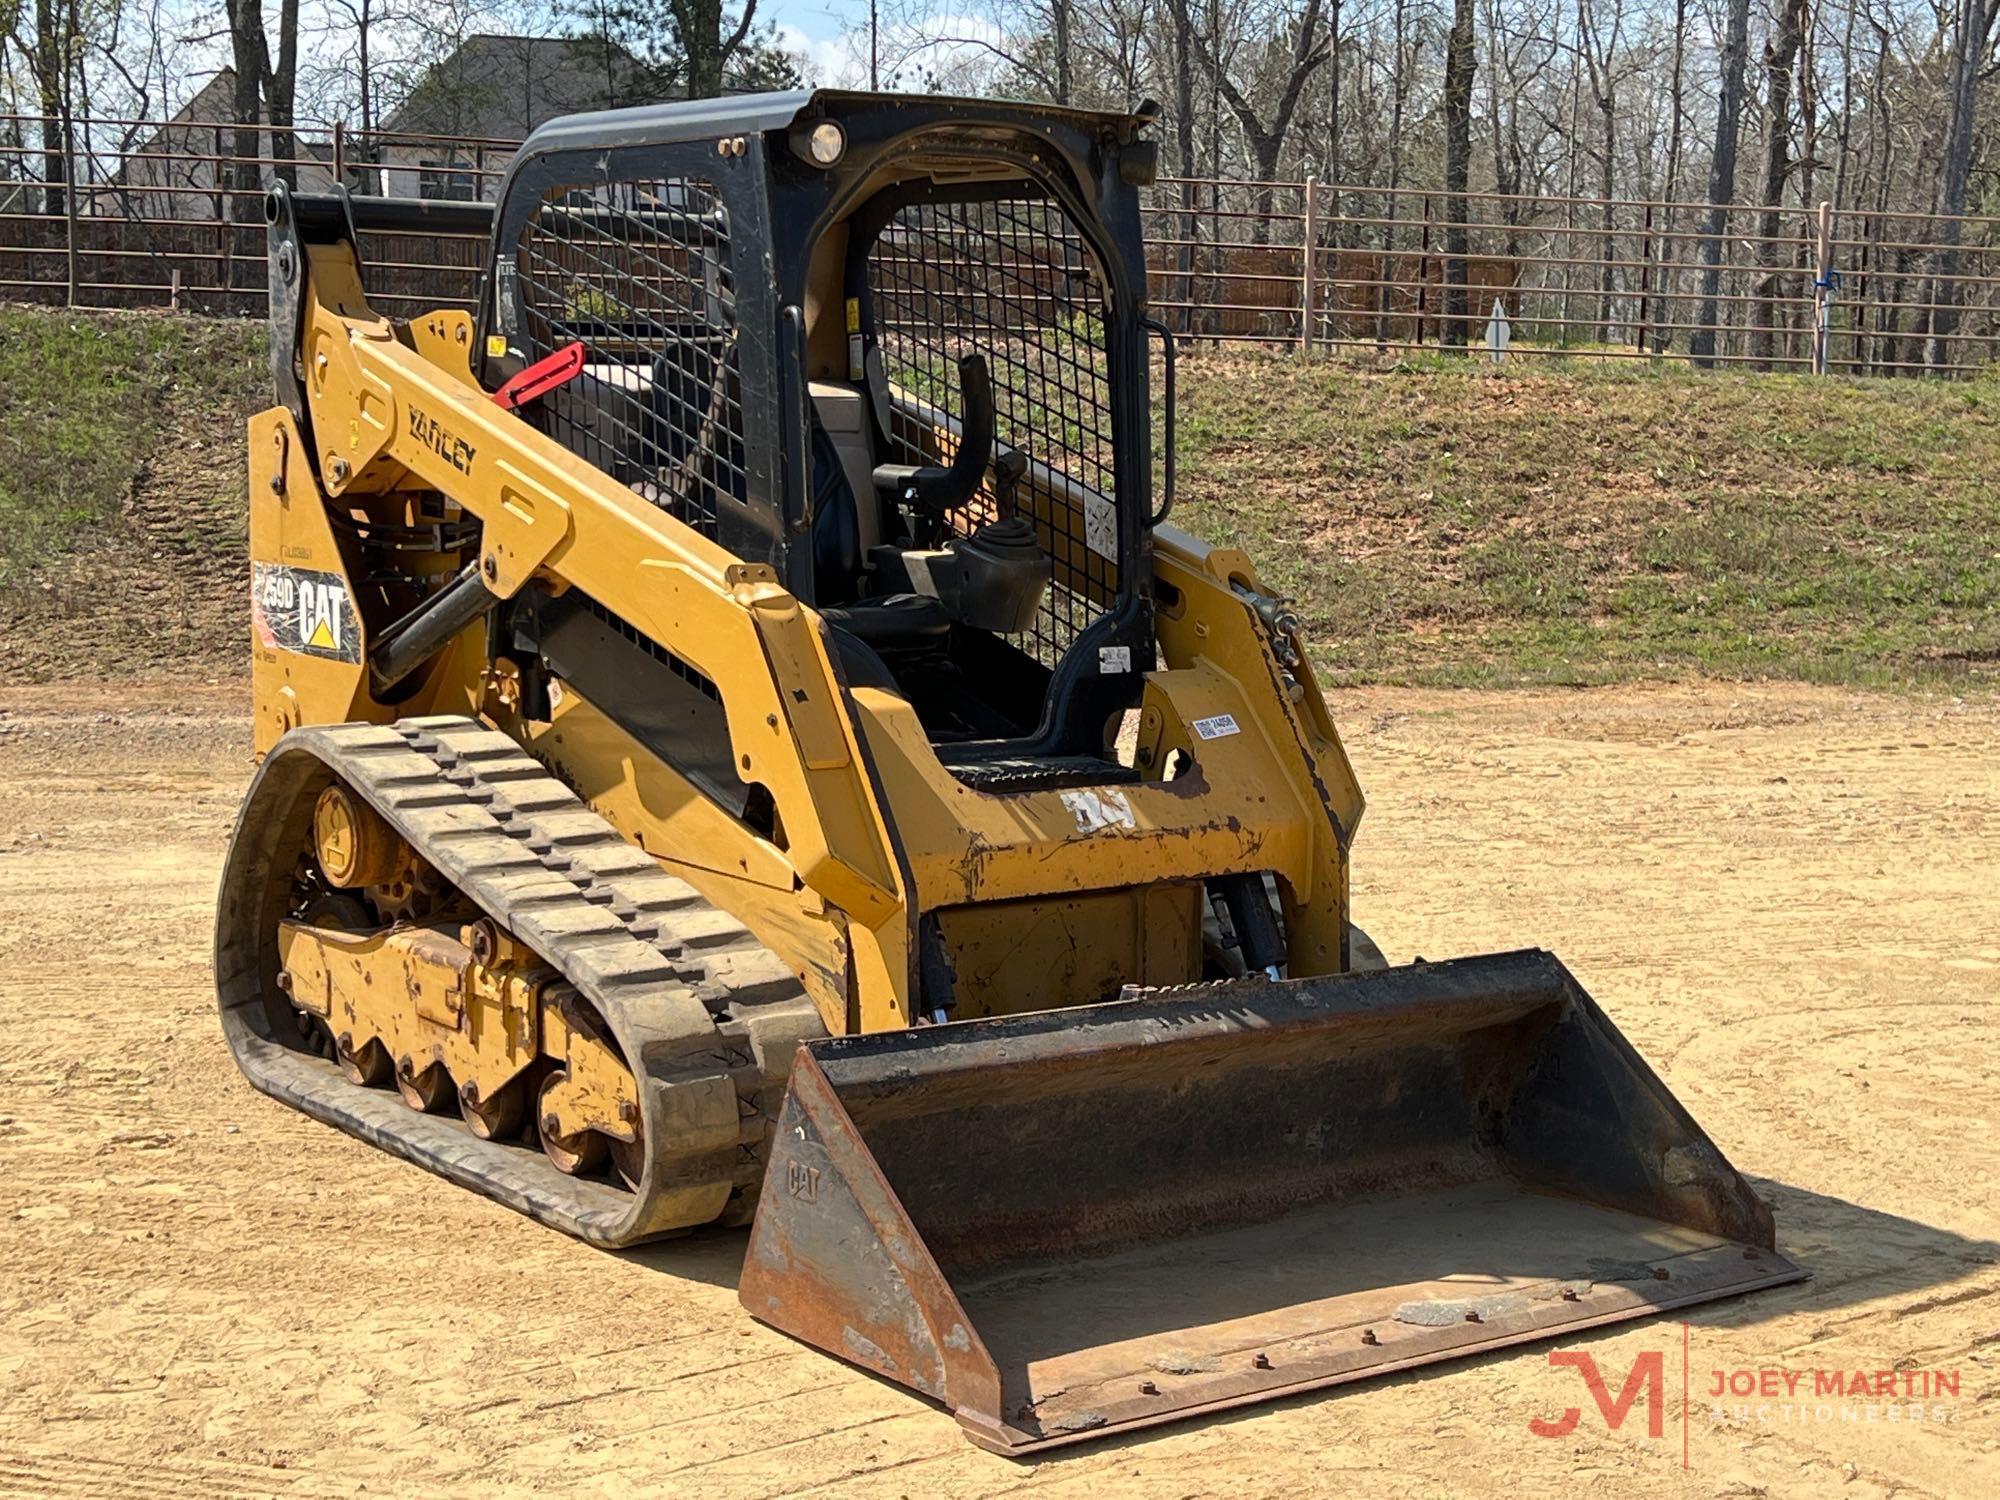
x=496 y=346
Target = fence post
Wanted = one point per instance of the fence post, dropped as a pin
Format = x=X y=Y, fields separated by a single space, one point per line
x=1309 y=277
x=72 y=259
x=1424 y=271
x=1645 y=277
x=1823 y=285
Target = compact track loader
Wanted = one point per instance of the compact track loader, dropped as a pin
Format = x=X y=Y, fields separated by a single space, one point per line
x=739 y=744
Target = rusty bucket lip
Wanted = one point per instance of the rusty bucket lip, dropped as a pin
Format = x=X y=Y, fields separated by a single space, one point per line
x=985 y=1394
x=997 y=1435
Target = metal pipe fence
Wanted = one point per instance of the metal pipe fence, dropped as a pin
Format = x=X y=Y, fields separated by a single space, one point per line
x=132 y=213
x=1320 y=266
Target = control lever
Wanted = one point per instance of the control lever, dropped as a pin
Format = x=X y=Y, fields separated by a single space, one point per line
x=1009 y=469
x=941 y=489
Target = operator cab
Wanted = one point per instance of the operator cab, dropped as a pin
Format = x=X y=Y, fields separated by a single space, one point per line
x=893 y=348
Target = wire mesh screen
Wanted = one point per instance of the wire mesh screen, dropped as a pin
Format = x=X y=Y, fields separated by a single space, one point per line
x=1010 y=279
x=640 y=273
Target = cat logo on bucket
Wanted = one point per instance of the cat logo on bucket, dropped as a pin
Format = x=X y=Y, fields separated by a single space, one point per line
x=295 y=609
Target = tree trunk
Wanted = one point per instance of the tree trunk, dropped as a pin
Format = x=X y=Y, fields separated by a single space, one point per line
x=1458 y=74
x=1779 y=54
x=72 y=254
x=1607 y=216
x=367 y=73
x=1975 y=21
x=50 y=66
x=1183 y=50
x=704 y=47
x=280 y=89
x=1264 y=149
x=1722 y=178
x=1845 y=134
x=250 y=63
x=1061 y=25
x=1333 y=113
x=1878 y=107
x=1399 y=93
x=1671 y=192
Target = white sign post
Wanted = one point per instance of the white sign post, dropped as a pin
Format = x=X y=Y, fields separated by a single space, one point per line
x=1496 y=331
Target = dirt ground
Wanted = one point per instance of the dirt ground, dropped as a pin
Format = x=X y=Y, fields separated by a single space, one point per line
x=1788 y=898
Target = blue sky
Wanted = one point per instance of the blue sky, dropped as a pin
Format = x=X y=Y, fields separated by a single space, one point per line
x=816 y=27
x=832 y=37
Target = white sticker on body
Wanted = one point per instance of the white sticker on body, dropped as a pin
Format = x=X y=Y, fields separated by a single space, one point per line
x=1100 y=526
x=1113 y=659
x=1221 y=726
x=1098 y=808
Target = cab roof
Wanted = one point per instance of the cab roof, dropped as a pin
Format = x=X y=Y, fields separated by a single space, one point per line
x=748 y=114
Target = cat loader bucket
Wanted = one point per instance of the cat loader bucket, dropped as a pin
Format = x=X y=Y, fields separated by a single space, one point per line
x=1070 y=1223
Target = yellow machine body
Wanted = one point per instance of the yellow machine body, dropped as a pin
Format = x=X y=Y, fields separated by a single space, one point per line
x=949 y=1032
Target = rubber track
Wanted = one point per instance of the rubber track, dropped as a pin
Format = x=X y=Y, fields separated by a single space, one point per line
x=708 y=1018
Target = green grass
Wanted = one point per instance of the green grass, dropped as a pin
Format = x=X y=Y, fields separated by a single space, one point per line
x=1437 y=521
x=86 y=399
x=1449 y=523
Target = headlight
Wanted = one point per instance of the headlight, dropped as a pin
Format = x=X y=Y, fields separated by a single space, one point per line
x=825 y=143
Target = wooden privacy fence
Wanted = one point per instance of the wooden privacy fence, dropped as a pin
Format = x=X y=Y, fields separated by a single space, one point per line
x=155 y=220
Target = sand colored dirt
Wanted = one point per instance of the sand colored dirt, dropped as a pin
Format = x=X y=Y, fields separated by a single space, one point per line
x=1788 y=898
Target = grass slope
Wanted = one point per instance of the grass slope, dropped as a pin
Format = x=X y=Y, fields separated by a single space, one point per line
x=1453 y=523
x=1437 y=523
x=122 y=490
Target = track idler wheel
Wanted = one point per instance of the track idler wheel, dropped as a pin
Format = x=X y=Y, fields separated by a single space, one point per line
x=628 y=1158
x=318 y=1036
x=576 y=1154
x=498 y=1116
x=424 y=1089
x=367 y=1065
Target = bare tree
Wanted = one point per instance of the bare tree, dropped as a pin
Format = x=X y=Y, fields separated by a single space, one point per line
x=1971 y=41
x=709 y=41
x=1780 y=52
x=1601 y=47
x=250 y=61
x=1721 y=177
x=49 y=52
x=1458 y=75
x=1299 y=48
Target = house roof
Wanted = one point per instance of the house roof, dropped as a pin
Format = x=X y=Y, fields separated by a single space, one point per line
x=202 y=123
x=502 y=87
x=213 y=103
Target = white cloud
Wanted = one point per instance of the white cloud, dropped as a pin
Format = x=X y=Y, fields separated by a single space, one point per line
x=954 y=53
x=828 y=62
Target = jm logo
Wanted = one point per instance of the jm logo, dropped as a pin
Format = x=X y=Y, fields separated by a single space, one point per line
x=1647 y=1375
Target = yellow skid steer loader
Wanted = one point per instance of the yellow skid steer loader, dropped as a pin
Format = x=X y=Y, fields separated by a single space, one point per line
x=740 y=744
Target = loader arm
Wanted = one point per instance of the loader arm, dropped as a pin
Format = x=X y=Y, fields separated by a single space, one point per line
x=385 y=415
